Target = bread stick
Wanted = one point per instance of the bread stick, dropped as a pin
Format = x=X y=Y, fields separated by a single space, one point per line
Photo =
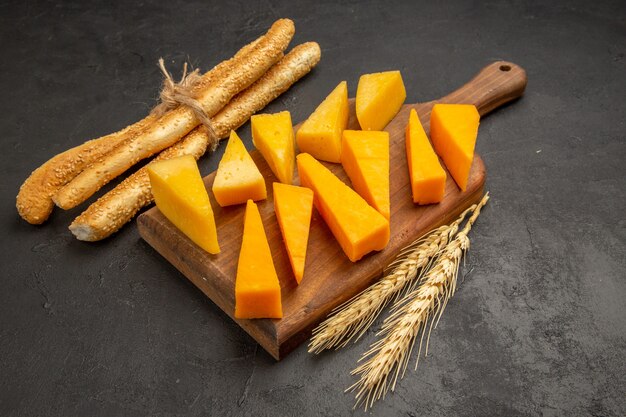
x=175 y=124
x=34 y=199
x=119 y=206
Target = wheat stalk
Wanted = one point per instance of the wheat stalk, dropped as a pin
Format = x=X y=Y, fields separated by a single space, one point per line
x=387 y=359
x=351 y=319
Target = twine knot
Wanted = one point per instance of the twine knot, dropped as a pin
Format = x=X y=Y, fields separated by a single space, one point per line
x=174 y=94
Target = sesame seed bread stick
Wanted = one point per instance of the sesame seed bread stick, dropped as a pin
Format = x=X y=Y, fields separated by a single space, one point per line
x=175 y=124
x=34 y=199
x=113 y=210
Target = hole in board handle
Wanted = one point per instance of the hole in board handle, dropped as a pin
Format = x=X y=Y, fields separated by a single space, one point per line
x=505 y=68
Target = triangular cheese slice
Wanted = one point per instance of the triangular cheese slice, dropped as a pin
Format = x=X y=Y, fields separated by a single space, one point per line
x=379 y=97
x=320 y=134
x=180 y=195
x=358 y=228
x=293 y=206
x=365 y=158
x=237 y=178
x=428 y=178
x=453 y=130
x=257 y=290
x=272 y=135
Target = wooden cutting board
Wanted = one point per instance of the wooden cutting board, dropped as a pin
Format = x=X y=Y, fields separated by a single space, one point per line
x=329 y=278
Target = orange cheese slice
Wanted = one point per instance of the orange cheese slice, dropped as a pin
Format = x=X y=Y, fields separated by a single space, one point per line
x=379 y=97
x=453 y=129
x=272 y=135
x=365 y=158
x=293 y=206
x=180 y=195
x=257 y=290
x=358 y=228
x=320 y=134
x=237 y=178
x=428 y=178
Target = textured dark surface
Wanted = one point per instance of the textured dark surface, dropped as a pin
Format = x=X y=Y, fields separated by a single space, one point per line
x=538 y=325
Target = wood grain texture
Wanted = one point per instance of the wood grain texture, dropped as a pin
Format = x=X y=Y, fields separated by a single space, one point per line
x=330 y=278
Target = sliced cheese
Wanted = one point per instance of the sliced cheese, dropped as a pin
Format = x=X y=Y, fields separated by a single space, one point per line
x=365 y=158
x=272 y=135
x=428 y=178
x=320 y=134
x=453 y=129
x=180 y=195
x=379 y=97
x=358 y=228
x=237 y=178
x=257 y=290
x=293 y=206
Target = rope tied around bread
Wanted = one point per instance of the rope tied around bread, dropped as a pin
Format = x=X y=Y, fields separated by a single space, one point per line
x=182 y=93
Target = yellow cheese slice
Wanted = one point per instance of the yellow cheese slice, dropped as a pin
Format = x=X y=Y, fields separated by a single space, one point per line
x=453 y=129
x=293 y=206
x=365 y=158
x=379 y=97
x=320 y=134
x=358 y=228
x=180 y=195
x=272 y=135
x=428 y=178
x=237 y=178
x=257 y=290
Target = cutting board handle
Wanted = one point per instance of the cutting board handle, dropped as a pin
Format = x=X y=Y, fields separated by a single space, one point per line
x=496 y=84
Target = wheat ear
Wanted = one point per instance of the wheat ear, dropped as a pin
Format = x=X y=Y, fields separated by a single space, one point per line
x=386 y=360
x=351 y=319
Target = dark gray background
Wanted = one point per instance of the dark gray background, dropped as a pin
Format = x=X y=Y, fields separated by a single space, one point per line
x=537 y=326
